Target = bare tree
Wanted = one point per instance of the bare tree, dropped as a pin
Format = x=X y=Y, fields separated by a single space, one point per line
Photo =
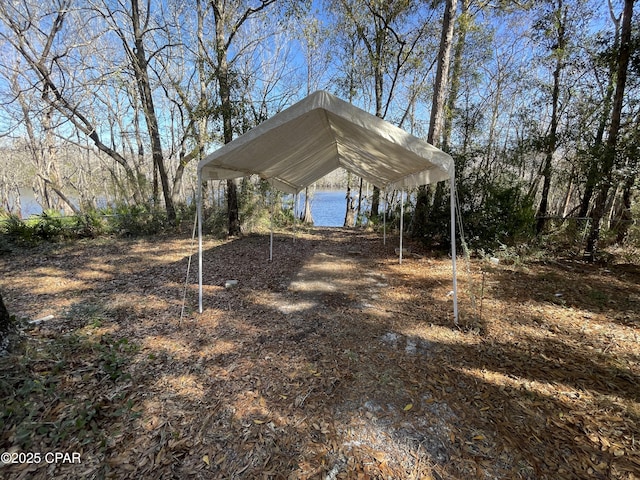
x=558 y=51
x=140 y=22
x=610 y=153
x=390 y=41
x=229 y=17
x=37 y=34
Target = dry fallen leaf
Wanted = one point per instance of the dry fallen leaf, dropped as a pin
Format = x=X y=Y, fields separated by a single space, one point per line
x=542 y=374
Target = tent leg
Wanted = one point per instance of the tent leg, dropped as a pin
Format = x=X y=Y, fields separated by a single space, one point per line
x=295 y=203
x=453 y=248
x=401 y=224
x=271 y=233
x=384 y=218
x=199 y=208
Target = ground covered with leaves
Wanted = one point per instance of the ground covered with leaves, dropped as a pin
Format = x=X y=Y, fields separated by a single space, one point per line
x=332 y=361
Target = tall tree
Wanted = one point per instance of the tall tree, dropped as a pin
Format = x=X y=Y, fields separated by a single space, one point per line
x=390 y=33
x=609 y=58
x=136 y=52
x=441 y=84
x=436 y=121
x=464 y=22
x=611 y=148
x=36 y=32
x=229 y=17
x=558 y=23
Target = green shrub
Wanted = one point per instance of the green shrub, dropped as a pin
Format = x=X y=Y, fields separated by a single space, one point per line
x=283 y=217
x=497 y=214
x=17 y=231
x=49 y=225
x=134 y=220
x=215 y=223
x=89 y=225
x=633 y=236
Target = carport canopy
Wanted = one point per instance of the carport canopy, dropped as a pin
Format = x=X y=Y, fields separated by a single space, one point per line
x=319 y=134
x=310 y=139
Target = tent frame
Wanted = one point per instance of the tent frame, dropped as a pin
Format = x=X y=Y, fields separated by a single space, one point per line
x=452 y=183
x=317 y=135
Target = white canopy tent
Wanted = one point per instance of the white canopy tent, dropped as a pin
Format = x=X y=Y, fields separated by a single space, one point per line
x=317 y=135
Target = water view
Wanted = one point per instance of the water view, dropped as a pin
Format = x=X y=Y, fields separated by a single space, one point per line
x=328 y=207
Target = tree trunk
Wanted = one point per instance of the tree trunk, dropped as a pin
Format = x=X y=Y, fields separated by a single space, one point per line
x=349 y=212
x=463 y=26
x=5 y=324
x=442 y=74
x=375 y=202
x=564 y=211
x=552 y=139
x=224 y=90
x=144 y=85
x=609 y=159
x=349 y=216
x=593 y=172
x=625 y=218
x=425 y=193
x=307 y=217
x=359 y=210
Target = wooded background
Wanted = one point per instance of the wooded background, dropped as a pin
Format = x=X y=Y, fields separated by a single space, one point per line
x=114 y=102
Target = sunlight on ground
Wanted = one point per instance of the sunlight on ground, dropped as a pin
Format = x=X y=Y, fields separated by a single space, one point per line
x=370 y=379
x=218 y=347
x=100 y=272
x=175 y=348
x=186 y=385
x=55 y=281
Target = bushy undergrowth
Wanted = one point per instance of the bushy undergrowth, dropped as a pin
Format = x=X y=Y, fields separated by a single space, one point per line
x=123 y=220
x=633 y=235
x=48 y=226
x=493 y=216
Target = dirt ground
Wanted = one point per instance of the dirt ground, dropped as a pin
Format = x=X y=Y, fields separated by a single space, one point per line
x=332 y=361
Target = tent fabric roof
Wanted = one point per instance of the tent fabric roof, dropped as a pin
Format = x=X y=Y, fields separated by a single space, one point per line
x=319 y=134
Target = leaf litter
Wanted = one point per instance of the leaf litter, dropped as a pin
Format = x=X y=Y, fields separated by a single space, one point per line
x=332 y=361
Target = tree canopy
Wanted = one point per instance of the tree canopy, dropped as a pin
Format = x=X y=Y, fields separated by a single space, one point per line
x=113 y=102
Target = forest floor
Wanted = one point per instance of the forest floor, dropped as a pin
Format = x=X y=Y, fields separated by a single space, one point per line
x=332 y=361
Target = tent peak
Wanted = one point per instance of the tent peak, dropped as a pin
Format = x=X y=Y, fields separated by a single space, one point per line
x=320 y=133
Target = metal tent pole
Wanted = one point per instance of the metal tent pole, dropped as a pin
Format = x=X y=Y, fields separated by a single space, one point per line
x=295 y=202
x=271 y=230
x=384 y=217
x=453 y=248
x=401 y=222
x=199 y=209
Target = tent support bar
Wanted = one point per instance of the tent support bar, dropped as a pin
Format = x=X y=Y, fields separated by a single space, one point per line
x=384 y=217
x=401 y=223
x=295 y=215
x=199 y=208
x=271 y=231
x=453 y=248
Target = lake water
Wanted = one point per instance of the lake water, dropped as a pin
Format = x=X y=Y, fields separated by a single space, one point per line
x=328 y=207
x=29 y=204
